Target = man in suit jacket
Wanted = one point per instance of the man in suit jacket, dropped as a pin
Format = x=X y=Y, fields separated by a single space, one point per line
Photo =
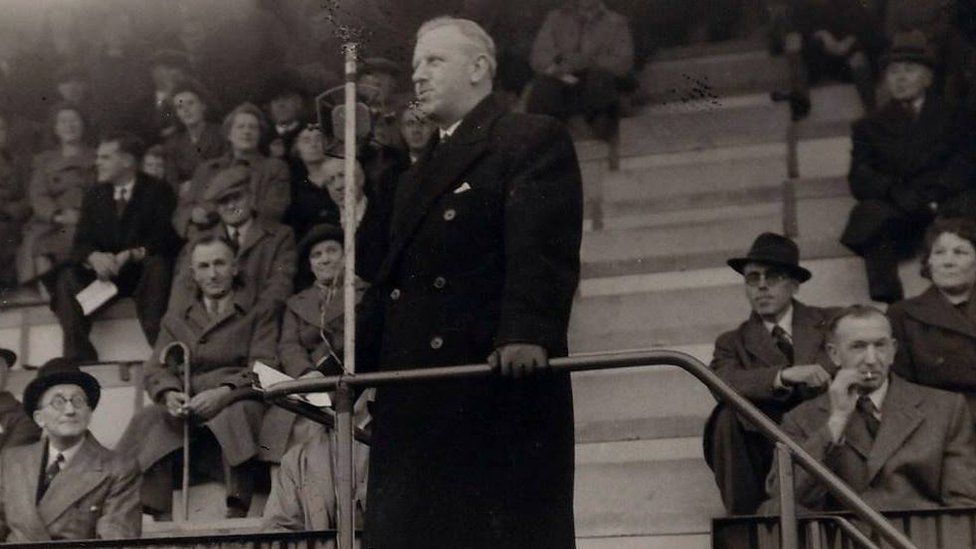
x=776 y=359
x=483 y=257
x=265 y=249
x=123 y=236
x=225 y=334
x=16 y=428
x=66 y=486
x=898 y=444
x=909 y=162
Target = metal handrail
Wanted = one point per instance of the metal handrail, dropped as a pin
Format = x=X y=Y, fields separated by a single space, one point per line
x=627 y=359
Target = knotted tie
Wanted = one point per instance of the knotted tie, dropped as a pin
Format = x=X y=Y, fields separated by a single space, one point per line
x=866 y=408
x=783 y=343
x=52 y=471
x=121 y=200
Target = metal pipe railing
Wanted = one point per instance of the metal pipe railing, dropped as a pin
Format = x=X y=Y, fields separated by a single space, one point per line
x=607 y=361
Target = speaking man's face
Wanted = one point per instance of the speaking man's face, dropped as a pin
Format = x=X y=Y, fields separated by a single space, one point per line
x=443 y=73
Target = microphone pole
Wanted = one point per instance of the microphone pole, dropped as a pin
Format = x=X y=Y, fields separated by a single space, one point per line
x=346 y=475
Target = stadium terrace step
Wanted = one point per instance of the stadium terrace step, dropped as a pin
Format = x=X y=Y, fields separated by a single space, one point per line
x=712 y=75
x=642 y=488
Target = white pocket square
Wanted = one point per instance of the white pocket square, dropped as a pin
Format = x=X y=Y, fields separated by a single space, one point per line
x=463 y=188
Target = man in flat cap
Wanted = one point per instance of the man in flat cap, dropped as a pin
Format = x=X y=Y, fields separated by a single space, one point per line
x=264 y=249
x=910 y=162
x=124 y=236
x=67 y=485
x=776 y=359
x=16 y=428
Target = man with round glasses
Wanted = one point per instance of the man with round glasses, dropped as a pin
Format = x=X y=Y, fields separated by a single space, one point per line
x=776 y=359
x=67 y=485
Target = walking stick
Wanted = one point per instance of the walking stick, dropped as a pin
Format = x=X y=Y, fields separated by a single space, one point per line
x=178 y=354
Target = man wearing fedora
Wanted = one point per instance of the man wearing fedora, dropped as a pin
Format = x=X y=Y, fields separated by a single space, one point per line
x=16 y=428
x=910 y=162
x=776 y=359
x=67 y=485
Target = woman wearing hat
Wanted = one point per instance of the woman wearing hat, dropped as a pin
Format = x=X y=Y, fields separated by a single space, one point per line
x=67 y=485
x=197 y=138
x=312 y=331
x=311 y=203
x=936 y=331
x=60 y=178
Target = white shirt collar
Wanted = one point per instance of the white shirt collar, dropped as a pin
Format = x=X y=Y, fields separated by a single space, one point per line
x=786 y=323
x=126 y=188
x=68 y=453
x=222 y=303
x=449 y=131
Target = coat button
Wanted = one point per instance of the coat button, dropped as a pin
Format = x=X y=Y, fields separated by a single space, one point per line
x=436 y=343
x=395 y=294
x=440 y=282
x=449 y=215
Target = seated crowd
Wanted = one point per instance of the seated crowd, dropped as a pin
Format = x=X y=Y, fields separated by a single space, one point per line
x=229 y=238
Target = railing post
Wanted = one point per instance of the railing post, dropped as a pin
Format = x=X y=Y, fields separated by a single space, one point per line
x=814 y=535
x=787 y=499
x=345 y=473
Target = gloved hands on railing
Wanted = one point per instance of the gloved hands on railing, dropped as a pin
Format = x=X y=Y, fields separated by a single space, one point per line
x=517 y=360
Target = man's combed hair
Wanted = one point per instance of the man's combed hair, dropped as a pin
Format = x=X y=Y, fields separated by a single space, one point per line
x=852 y=311
x=211 y=238
x=472 y=31
x=129 y=143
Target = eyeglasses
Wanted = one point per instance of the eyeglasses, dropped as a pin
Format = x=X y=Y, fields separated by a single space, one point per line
x=79 y=402
x=771 y=277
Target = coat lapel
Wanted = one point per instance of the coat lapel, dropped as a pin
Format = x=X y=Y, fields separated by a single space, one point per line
x=29 y=471
x=254 y=235
x=306 y=306
x=85 y=472
x=439 y=172
x=900 y=418
x=933 y=309
x=759 y=343
x=236 y=307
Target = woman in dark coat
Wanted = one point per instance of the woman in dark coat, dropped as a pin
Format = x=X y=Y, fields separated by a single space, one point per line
x=312 y=333
x=198 y=138
x=936 y=331
x=311 y=203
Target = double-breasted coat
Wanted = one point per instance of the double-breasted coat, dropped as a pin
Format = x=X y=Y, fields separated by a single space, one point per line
x=57 y=183
x=922 y=457
x=95 y=496
x=222 y=351
x=270 y=189
x=936 y=343
x=748 y=359
x=484 y=251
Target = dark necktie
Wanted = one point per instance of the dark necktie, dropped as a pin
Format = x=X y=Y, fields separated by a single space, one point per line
x=52 y=471
x=120 y=203
x=866 y=408
x=783 y=343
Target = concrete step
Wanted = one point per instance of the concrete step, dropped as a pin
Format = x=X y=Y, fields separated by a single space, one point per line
x=691 y=308
x=719 y=75
x=677 y=541
x=641 y=488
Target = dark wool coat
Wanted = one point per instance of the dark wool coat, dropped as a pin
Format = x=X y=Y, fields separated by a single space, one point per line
x=484 y=251
x=936 y=343
x=183 y=155
x=16 y=428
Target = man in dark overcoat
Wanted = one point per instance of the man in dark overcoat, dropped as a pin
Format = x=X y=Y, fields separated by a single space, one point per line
x=16 y=427
x=124 y=236
x=776 y=359
x=225 y=334
x=909 y=162
x=483 y=260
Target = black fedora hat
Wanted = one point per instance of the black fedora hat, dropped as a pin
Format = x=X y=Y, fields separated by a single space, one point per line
x=775 y=250
x=60 y=371
x=910 y=47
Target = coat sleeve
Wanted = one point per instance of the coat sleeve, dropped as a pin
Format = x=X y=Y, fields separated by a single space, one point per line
x=162 y=238
x=22 y=430
x=958 y=483
x=294 y=358
x=158 y=378
x=264 y=341
x=544 y=49
x=279 y=286
x=86 y=233
x=189 y=199
x=43 y=205
x=756 y=384
x=810 y=492
x=276 y=195
x=904 y=365
x=122 y=511
x=867 y=181
x=283 y=511
x=542 y=232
